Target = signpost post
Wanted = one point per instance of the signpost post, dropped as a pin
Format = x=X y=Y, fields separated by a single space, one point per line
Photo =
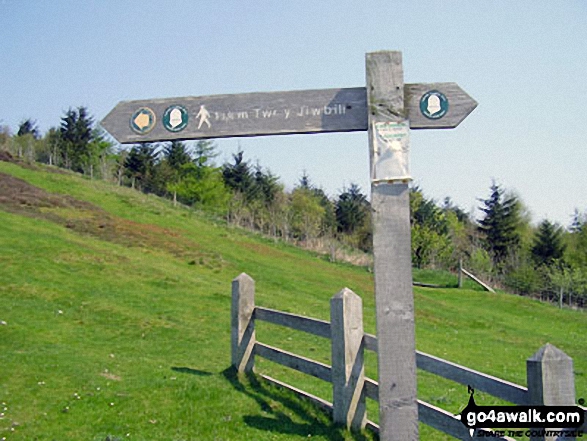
x=386 y=108
x=390 y=203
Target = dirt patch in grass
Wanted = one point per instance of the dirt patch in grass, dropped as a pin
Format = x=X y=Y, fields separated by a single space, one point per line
x=110 y=376
x=19 y=197
x=6 y=156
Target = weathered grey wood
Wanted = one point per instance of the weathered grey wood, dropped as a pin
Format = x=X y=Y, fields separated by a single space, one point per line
x=446 y=422
x=317 y=327
x=371 y=389
x=372 y=426
x=436 y=417
x=242 y=323
x=398 y=409
x=479 y=281
x=293 y=361
x=460 y=275
x=426 y=285
x=451 y=371
x=280 y=113
x=551 y=381
x=442 y=420
x=477 y=380
x=370 y=342
x=248 y=114
x=348 y=367
x=460 y=105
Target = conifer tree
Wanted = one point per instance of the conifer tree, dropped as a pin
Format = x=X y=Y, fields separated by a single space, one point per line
x=76 y=135
x=548 y=244
x=204 y=152
x=26 y=139
x=139 y=165
x=238 y=177
x=28 y=127
x=351 y=209
x=176 y=154
x=499 y=226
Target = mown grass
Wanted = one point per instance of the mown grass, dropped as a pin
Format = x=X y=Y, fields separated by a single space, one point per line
x=117 y=323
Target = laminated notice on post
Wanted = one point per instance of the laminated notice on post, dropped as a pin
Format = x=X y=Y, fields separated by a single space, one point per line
x=391 y=152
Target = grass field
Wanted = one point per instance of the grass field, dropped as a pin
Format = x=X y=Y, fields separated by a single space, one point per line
x=115 y=312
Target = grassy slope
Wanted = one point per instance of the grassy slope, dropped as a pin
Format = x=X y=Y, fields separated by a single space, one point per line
x=126 y=306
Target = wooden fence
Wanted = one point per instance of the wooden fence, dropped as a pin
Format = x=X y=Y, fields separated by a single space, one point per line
x=549 y=371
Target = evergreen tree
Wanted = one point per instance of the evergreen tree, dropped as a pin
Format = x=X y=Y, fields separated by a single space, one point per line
x=576 y=254
x=176 y=154
x=548 y=244
x=460 y=214
x=267 y=185
x=28 y=127
x=352 y=219
x=204 y=153
x=499 y=226
x=76 y=135
x=26 y=139
x=351 y=210
x=577 y=222
x=139 y=165
x=305 y=181
x=239 y=178
x=169 y=171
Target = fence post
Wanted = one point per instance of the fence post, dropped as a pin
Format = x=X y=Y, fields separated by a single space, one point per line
x=243 y=323
x=550 y=380
x=348 y=368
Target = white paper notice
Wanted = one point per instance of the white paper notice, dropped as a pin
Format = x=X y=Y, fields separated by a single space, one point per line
x=391 y=152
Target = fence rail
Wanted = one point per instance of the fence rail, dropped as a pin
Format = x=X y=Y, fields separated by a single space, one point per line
x=549 y=371
x=460 y=374
x=293 y=361
x=312 y=326
x=495 y=386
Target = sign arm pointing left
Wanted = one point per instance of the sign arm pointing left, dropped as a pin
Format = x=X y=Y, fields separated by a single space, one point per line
x=275 y=113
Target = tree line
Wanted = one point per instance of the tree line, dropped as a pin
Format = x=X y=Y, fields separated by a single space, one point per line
x=501 y=245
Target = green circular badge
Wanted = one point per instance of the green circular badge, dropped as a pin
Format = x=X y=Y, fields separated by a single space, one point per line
x=143 y=120
x=434 y=104
x=175 y=118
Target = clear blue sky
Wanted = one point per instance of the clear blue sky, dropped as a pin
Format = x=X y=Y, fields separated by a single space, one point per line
x=525 y=62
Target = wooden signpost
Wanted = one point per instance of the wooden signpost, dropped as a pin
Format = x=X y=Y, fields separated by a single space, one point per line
x=387 y=108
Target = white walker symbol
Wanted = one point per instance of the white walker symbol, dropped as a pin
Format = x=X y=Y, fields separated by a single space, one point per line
x=204 y=116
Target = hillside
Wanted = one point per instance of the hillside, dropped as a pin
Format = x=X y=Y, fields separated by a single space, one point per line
x=115 y=312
